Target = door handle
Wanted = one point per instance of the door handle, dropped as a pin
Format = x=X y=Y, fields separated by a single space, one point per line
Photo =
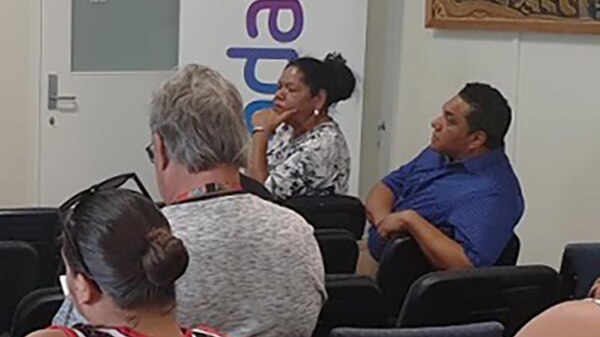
x=53 y=97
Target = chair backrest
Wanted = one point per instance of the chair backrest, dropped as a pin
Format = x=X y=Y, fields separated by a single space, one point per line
x=509 y=295
x=403 y=262
x=339 y=250
x=19 y=266
x=334 y=211
x=39 y=227
x=579 y=268
x=253 y=186
x=353 y=301
x=487 y=329
x=36 y=310
x=510 y=254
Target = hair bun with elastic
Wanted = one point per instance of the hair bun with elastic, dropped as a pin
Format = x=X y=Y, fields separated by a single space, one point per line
x=166 y=258
x=343 y=80
x=335 y=57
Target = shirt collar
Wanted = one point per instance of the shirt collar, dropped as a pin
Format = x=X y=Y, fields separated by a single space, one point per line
x=481 y=162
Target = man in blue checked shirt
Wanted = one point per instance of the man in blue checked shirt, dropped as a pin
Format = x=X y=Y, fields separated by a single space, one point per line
x=462 y=184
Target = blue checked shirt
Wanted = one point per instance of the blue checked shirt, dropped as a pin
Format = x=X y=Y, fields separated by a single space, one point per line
x=479 y=200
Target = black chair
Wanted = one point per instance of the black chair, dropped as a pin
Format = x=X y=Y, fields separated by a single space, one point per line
x=488 y=329
x=36 y=310
x=403 y=262
x=334 y=211
x=19 y=266
x=579 y=268
x=353 y=301
x=255 y=187
x=510 y=254
x=40 y=227
x=339 y=250
x=509 y=295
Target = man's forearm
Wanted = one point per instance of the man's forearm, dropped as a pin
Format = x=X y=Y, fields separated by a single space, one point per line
x=379 y=203
x=377 y=214
x=442 y=252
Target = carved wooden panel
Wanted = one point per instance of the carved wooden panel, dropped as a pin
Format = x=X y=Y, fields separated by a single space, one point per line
x=559 y=16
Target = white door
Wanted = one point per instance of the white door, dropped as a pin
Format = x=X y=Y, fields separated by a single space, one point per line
x=107 y=56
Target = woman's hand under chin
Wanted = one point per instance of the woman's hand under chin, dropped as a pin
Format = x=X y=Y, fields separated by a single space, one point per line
x=269 y=120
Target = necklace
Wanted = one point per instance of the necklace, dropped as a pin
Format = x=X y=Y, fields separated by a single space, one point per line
x=208 y=189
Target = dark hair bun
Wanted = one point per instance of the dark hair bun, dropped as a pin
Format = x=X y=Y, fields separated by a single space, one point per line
x=166 y=258
x=343 y=80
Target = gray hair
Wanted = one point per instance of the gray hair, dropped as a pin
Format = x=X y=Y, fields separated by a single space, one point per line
x=198 y=113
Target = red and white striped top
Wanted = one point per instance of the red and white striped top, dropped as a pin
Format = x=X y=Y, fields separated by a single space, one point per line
x=81 y=330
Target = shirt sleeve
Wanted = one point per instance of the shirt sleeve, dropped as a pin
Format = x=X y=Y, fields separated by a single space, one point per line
x=396 y=180
x=483 y=225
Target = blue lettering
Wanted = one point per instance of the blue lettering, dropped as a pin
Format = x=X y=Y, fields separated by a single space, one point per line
x=252 y=56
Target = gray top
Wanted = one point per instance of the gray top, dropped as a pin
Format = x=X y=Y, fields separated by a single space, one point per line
x=255 y=268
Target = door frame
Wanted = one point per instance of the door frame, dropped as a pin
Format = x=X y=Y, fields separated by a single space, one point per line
x=35 y=78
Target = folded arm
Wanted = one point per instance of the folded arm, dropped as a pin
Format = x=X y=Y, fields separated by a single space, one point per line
x=442 y=252
x=380 y=203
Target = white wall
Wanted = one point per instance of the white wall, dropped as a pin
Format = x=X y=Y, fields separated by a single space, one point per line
x=558 y=143
x=552 y=83
x=17 y=102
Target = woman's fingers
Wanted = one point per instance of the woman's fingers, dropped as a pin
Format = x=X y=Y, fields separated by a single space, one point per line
x=284 y=116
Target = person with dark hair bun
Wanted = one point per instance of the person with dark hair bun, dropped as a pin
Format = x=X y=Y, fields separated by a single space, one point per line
x=308 y=154
x=122 y=262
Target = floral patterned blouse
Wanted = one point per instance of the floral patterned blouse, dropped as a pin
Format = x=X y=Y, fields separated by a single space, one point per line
x=315 y=163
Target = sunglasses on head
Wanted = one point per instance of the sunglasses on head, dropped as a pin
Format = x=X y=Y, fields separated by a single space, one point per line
x=66 y=210
x=108 y=184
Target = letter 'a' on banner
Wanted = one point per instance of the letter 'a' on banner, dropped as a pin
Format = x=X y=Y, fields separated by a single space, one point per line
x=251 y=41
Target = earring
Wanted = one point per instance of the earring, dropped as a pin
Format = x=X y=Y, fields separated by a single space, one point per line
x=316 y=112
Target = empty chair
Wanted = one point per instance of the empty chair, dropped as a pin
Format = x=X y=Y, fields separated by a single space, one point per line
x=339 y=250
x=19 y=266
x=509 y=295
x=35 y=311
x=403 y=262
x=39 y=227
x=487 y=329
x=353 y=301
x=579 y=268
x=334 y=211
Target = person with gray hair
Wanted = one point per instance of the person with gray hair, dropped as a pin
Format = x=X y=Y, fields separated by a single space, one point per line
x=255 y=268
x=197 y=116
